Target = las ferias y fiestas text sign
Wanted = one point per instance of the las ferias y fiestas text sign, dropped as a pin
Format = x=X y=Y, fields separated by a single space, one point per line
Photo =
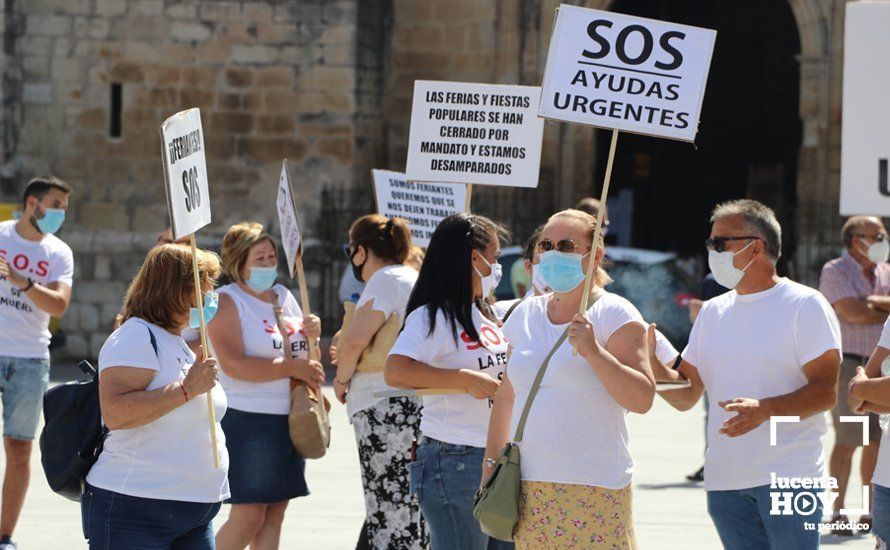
x=185 y=172
x=475 y=133
x=626 y=73
x=422 y=204
x=288 y=221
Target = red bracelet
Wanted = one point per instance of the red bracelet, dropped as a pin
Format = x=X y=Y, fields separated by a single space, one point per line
x=185 y=393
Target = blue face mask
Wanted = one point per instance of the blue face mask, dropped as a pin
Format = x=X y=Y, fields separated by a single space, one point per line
x=51 y=221
x=262 y=278
x=211 y=304
x=561 y=271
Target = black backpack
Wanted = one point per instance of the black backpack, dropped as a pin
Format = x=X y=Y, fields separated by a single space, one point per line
x=73 y=433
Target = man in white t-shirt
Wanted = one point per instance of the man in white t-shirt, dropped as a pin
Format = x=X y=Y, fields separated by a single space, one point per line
x=36 y=272
x=768 y=348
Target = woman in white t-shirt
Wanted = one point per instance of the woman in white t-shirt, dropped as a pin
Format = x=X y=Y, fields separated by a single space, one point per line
x=452 y=341
x=869 y=391
x=576 y=463
x=155 y=484
x=266 y=471
x=384 y=427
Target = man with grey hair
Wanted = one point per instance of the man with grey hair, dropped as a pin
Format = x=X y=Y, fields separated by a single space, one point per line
x=856 y=285
x=768 y=347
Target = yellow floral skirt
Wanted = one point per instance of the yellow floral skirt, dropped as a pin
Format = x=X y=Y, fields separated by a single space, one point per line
x=562 y=515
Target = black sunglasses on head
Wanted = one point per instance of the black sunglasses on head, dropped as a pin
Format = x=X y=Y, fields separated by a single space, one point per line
x=718 y=244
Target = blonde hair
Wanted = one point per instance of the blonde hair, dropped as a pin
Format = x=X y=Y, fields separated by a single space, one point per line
x=163 y=289
x=601 y=278
x=415 y=257
x=236 y=245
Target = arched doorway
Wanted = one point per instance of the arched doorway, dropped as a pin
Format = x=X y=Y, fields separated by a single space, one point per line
x=749 y=137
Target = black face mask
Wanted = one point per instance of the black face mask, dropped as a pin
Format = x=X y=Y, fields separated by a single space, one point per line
x=357 y=269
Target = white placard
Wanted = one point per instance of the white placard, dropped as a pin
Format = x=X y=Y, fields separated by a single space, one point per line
x=288 y=220
x=185 y=171
x=628 y=73
x=475 y=133
x=865 y=136
x=422 y=204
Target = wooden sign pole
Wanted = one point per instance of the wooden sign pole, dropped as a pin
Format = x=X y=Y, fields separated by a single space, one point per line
x=469 y=196
x=598 y=231
x=314 y=353
x=203 y=326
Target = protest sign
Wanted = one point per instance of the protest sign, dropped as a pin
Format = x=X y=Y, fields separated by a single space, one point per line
x=632 y=74
x=292 y=241
x=185 y=171
x=287 y=220
x=475 y=133
x=422 y=204
x=865 y=136
x=188 y=201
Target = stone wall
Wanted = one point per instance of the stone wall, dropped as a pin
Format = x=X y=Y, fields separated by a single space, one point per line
x=273 y=79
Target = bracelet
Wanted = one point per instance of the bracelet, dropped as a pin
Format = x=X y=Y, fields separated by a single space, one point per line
x=489 y=462
x=185 y=393
x=337 y=380
x=30 y=285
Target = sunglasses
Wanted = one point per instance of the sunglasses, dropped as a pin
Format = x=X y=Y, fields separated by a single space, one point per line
x=718 y=244
x=566 y=246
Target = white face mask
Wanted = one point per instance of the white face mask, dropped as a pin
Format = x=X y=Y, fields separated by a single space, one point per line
x=538 y=281
x=725 y=272
x=490 y=281
x=878 y=251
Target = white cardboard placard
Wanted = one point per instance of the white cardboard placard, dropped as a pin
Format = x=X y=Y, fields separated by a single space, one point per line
x=288 y=221
x=865 y=135
x=185 y=172
x=422 y=204
x=475 y=133
x=632 y=74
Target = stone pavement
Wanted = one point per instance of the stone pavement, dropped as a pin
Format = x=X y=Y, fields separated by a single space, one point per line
x=670 y=513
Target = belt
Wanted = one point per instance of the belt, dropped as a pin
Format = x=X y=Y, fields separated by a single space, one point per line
x=854 y=357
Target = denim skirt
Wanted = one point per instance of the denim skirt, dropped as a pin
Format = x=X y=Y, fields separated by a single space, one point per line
x=264 y=467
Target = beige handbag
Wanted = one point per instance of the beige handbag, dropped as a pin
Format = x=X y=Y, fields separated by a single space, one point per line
x=373 y=358
x=310 y=426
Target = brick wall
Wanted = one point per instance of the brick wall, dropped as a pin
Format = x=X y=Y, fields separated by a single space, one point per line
x=273 y=79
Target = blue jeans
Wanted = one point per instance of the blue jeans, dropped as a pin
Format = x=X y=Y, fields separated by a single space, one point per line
x=122 y=522
x=22 y=384
x=444 y=477
x=880 y=512
x=744 y=522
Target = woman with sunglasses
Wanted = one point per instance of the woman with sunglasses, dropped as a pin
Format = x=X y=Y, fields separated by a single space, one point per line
x=384 y=428
x=576 y=467
x=452 y=341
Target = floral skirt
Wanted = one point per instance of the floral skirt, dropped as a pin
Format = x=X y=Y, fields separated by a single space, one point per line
x=562 y=515
x=384 y=434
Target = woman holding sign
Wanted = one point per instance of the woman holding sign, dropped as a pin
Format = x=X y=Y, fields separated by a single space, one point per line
x=266 y=471
x=384 y=427
x=452 y=341
x=155 y=484
x=576 y=467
